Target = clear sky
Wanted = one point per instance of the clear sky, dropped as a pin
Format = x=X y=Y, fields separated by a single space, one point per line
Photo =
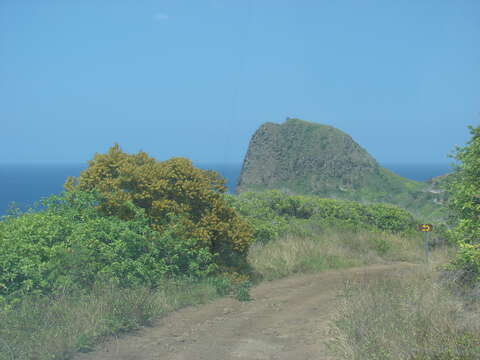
x=196 y=78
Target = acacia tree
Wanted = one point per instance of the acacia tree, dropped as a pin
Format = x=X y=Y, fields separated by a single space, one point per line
x=464 y=202
x=168 y=191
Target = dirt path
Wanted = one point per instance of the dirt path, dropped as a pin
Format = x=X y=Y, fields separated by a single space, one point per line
x=287 y=319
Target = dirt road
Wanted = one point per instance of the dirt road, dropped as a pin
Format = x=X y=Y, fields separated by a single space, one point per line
x=287 y=319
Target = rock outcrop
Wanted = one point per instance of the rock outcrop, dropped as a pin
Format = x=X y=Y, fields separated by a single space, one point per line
x=318 y=157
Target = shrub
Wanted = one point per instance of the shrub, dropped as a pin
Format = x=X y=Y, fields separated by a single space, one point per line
x=264 y=221
x=70 y=245
x=466 y=264
x=464 y=203
x=232 y=282
x=165 y=189
x=273 y=213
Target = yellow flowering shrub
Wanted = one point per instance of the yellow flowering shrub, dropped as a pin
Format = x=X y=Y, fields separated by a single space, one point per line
x=172 y=189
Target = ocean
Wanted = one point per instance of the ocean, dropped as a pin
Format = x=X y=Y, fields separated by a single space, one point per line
x=26 y=183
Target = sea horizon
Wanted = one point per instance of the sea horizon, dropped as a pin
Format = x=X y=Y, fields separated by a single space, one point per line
x=24 y=183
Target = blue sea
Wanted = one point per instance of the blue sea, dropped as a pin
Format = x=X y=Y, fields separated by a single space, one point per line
x=26 y=183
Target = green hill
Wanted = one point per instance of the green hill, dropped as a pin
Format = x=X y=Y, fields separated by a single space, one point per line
x=301 y=158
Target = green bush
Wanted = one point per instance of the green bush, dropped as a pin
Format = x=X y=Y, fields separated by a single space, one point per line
x=464 y=203
x=70 y=245
x=272 y=214
x=235 y=284
x=466 y=264
x=242 y=291
x=262 y=218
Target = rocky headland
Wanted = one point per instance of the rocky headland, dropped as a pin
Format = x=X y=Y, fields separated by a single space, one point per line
x=305 y=158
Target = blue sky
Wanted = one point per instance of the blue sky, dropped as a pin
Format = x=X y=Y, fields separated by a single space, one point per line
x=197 y=78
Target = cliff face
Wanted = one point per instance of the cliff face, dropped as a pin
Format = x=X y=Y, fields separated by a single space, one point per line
x=318 y=157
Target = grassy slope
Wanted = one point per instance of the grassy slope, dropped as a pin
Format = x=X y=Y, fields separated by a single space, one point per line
x=381 y=186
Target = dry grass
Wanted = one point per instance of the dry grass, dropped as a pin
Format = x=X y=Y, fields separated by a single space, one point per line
x=412 y=315
x=330 y=250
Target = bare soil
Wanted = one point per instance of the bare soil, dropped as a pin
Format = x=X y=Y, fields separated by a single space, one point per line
x=287 y=319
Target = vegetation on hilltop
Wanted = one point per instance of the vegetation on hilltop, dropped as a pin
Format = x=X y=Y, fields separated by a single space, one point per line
x=440 y=182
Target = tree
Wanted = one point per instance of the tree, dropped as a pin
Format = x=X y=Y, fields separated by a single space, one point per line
x=168 y=191
x=464 y=202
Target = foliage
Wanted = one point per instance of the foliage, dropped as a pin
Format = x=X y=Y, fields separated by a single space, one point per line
x=468 y=262
x=464 y=202
x=265 y=222
x=273 y=213
x=232 y=283
x=465 y=189
x=71 y=245
x=165 y=189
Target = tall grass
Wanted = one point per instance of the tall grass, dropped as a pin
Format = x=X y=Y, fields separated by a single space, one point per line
x=55 y=327
x=413 y=315
x=330 y=249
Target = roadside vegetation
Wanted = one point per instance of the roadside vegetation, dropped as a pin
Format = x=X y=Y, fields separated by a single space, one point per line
x=133 y=239
x=422 y=313
x=331 y=249
x=433 y=312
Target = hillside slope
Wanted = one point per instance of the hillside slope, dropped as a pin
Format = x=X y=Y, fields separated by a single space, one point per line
x=300 y=157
